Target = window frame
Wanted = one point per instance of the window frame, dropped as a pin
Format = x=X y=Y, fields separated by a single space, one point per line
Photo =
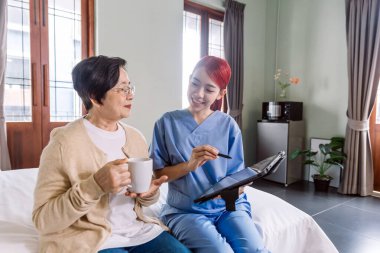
x=205 y=13
x=27 y=139
x=374 y=130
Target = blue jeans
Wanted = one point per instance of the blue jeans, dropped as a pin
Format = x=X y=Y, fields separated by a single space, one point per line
x=164 y=243
x=227 y=232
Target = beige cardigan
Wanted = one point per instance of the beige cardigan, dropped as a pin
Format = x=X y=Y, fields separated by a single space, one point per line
x=70 y=208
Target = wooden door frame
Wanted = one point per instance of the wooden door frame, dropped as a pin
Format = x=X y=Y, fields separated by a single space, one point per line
x=374 y=131
x=88 y=46
x=27 y=139
x=24 y=138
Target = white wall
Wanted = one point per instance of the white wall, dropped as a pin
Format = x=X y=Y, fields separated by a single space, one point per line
x=311 y=44
x=255 y=65
x=148 y=34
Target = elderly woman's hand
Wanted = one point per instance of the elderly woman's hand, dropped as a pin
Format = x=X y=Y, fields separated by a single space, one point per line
x=113 y=176
x=154 y=186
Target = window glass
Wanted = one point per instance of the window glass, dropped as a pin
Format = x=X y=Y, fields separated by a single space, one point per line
x=17 y=99
x=216 y=43
x=64 y=53
x=191 y=49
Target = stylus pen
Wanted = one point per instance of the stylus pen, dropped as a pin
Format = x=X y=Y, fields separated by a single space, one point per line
x=225 y=156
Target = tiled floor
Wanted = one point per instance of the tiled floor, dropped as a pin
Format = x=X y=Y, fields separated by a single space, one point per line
x=352 y=223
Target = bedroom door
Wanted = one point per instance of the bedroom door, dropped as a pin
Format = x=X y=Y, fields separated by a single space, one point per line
x=375 y=141
x=46 y=38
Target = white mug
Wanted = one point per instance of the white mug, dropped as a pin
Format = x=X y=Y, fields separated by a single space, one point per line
x=141 y=170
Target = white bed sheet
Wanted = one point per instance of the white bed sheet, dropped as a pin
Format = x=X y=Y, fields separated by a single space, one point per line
x=285 y=228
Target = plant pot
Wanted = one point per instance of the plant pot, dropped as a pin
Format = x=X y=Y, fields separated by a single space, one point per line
x=321 y=184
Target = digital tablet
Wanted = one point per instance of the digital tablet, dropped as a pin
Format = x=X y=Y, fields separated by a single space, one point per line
x=244 y=177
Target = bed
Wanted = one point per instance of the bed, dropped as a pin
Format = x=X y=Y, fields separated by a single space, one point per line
x=285 y=228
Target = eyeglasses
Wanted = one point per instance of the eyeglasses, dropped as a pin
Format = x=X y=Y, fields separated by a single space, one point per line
x=128 y=90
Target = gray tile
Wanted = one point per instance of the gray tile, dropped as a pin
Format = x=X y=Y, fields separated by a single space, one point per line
x=300 y=186
x=348 y=241
x=302 y=195
x=354 y=219
x=310 y=201
x=307 y=186
x=352 y=223
x=304 y=186
x=267 y=186
x=370 y=204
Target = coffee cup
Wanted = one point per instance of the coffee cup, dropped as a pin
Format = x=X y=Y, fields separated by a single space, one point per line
x=141 y=170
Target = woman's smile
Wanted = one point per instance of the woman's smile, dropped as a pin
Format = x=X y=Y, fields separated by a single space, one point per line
x=196 y=101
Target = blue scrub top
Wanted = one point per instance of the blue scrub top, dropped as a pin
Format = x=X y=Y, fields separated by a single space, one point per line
x=175 y=135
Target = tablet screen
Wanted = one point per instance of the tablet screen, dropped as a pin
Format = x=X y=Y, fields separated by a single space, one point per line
x=245 y=176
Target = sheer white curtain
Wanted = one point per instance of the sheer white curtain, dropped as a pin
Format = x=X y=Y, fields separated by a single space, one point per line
x=4 y=155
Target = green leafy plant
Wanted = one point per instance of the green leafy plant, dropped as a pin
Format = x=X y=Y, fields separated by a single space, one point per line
x=330 y=154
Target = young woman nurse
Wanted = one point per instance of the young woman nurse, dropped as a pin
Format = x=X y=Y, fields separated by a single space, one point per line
x=185 y=148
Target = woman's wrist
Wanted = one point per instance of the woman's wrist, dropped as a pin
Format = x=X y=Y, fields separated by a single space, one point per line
x=187 y=167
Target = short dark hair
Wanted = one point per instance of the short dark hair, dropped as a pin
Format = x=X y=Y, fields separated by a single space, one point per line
x=94 y=76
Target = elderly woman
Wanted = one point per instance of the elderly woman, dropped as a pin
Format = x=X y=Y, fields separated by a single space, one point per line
x=81 y=204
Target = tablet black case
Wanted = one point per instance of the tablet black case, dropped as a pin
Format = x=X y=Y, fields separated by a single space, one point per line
x=228 y=187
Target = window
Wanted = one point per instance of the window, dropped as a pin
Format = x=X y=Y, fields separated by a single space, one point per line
x=18 y=96
x=45 y=39
x=202 y=35
x=64 y=19
x=375 y=140
x=216 y=43
x=64 y=52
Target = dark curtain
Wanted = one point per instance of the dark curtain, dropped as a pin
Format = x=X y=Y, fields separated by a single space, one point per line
x=4 y=154
x=363 y=56
x=234 y=53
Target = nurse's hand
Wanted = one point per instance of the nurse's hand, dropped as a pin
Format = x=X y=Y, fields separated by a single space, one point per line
x=200 y=155
x=241 y=190
x=113 y=176
x=154 y=186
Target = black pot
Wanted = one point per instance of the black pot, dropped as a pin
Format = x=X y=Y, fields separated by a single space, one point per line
x=321 y=185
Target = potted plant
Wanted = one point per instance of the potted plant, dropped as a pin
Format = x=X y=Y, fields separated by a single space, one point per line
x=330 y=154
